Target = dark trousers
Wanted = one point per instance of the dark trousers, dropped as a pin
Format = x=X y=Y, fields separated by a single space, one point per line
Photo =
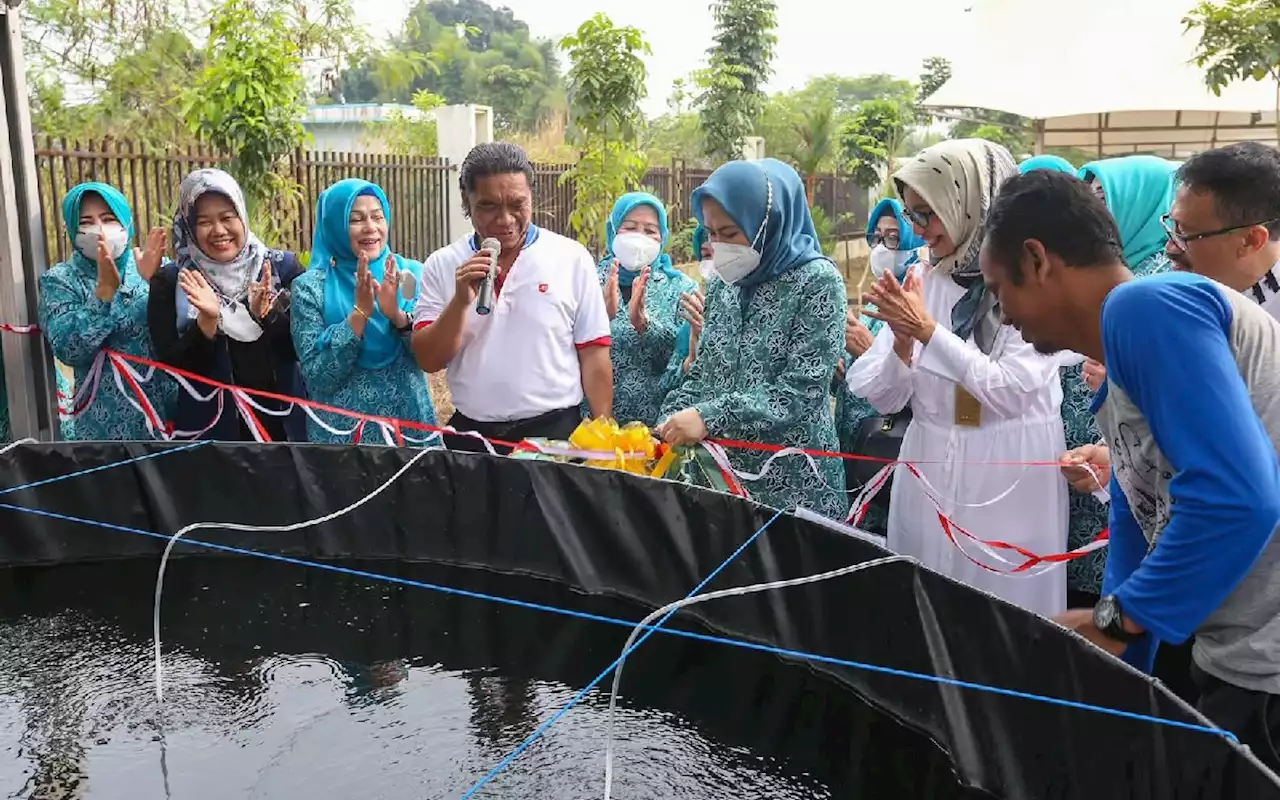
x=1254 y=717
x=551 y=425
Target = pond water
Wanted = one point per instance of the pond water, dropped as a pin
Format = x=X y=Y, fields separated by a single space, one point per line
x=289 y=682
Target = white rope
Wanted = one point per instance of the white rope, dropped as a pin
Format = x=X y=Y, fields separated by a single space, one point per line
x=700 y=598
x=12 y=445
x=232 y=526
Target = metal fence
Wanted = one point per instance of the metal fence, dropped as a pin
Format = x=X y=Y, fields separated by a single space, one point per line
x=417 y=187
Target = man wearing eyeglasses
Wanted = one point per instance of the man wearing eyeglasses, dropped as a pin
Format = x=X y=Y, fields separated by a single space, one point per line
x=1225 y=220
x=1224 y=224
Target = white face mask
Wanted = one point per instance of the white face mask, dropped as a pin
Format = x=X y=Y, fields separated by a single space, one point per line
x=635 y=251
x=733 y=262
x=708 y=268
x=87 y=240
x=885 y=260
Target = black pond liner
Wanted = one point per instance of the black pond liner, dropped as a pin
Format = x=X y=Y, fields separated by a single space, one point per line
x=633 y=544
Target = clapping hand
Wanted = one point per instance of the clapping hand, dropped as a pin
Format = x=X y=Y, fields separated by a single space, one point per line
x=635 y=306
x=108 y=275
x=857 y=337
x=203 y=299
x=366 y=288
x=612 y=297
x=901 y=306
x=389 y=293
x=152 y=254
x=260 y=296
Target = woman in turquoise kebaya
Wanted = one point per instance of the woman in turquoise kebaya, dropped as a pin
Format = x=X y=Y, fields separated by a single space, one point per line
x=774 y=333
x=894 y=247
x=350 y=329
x=643 y=295
x=97 y=301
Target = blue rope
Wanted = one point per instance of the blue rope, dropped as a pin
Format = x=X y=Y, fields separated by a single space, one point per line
x=91 y=470
x=537 y=734
x=748 y=645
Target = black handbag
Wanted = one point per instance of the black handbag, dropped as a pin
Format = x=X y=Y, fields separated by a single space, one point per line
x=879 y=437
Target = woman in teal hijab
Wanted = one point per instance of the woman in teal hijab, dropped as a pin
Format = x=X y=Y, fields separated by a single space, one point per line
x=774 y=333
x=894 y=247
x=351 y=329
x=97 y=301
x=1138 y=190
x=643 y=292
x=1046 y=162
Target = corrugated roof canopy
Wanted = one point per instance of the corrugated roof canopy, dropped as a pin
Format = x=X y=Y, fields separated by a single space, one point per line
x=1122 y=82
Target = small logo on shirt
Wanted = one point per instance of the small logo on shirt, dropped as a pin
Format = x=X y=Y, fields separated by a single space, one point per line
x=542 y=287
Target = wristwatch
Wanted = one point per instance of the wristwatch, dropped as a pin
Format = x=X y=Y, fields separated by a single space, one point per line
x=1108 y=618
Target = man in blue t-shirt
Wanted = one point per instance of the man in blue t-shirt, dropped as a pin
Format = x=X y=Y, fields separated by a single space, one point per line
x=1191 y=410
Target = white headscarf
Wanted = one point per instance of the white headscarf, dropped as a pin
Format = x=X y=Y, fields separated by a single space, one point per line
x=230 y=279
x=959 y=179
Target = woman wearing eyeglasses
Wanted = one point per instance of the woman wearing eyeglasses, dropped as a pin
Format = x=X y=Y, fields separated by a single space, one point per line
x=983 y=401
x=894 y=248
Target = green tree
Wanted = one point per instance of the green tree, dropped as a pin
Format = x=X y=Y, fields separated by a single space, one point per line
x=606 y=84
x=871 y=139
x=934 y=72
x=411 y=135
x=464 y=51
x=1009 y=130
x=1239 y=39
x=738 y=67
x=127 y=62
x=819 y=138
x=1014 y=141
x=247 y=101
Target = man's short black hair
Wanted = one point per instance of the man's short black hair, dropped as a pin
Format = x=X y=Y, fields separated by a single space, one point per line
x=1061 y=212
x=1244 y=179
x=492 y=158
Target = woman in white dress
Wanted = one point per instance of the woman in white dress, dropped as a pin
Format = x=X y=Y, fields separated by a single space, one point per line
x=978 y=392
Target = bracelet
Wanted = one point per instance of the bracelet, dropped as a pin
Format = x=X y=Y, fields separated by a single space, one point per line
x=360 y=311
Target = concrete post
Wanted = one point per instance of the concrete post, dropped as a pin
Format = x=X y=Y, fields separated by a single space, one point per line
x=28 y=367
x=458 y=129
x=752 y=148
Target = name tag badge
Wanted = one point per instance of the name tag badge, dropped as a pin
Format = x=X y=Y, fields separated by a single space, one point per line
x=968 y=409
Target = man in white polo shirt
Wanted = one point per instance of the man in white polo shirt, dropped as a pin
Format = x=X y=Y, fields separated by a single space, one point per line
x=522 y=370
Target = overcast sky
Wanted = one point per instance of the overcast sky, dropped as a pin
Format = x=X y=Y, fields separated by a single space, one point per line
x=847 y=37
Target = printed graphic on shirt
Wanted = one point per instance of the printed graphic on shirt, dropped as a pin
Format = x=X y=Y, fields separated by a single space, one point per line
x=1140 y=469
x=1266 y=292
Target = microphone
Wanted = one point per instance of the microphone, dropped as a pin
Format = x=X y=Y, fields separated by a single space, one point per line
x=484 y=302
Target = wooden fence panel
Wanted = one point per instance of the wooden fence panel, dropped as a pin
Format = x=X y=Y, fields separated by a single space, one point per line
x=418 y=189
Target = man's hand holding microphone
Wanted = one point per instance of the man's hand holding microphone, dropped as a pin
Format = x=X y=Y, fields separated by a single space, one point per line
x=479 y=269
